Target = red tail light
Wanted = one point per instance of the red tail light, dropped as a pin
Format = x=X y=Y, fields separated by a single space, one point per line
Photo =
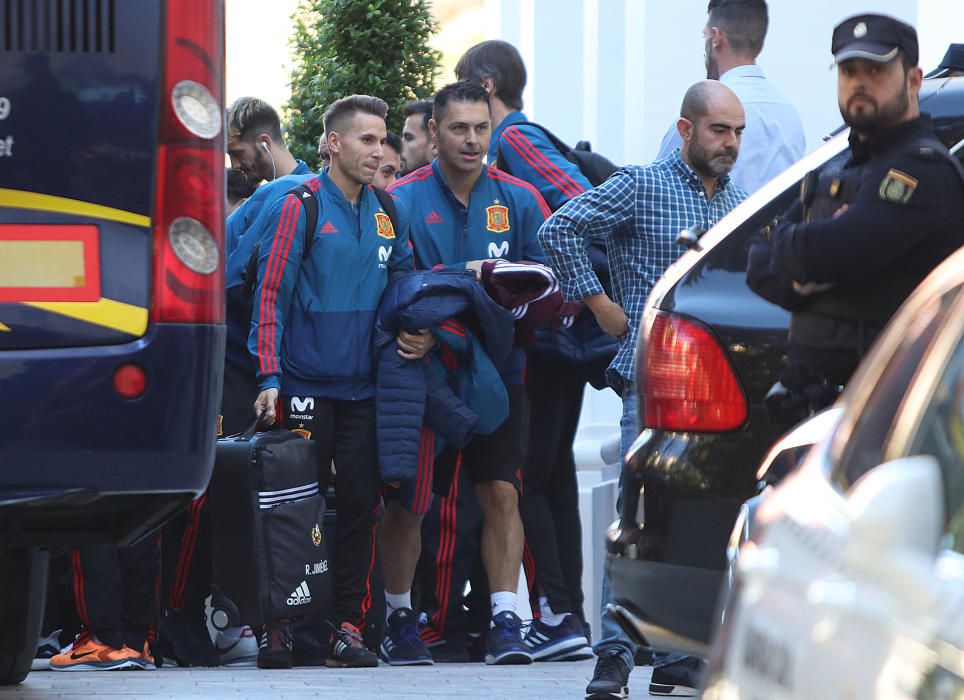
x=686 y=380
x=189 y=195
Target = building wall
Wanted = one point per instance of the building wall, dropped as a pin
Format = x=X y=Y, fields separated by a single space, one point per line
x=614 y=71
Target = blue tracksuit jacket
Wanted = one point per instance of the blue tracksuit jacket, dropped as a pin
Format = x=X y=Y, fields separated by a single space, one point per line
x=250 y=217
x=311 y=331
x=501 y=221
x=530 y=156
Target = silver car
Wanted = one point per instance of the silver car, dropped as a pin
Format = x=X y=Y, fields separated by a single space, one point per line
x=852 y=585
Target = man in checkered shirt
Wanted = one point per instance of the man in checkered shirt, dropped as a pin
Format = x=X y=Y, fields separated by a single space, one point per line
x=640 y=211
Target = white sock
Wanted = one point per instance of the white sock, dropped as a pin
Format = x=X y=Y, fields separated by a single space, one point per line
x=396 y=601
x=504 y=600
x=547 y=616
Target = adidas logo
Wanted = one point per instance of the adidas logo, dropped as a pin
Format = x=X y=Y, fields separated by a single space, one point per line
x=301 y=595
x=433 y=218
x=329 y=228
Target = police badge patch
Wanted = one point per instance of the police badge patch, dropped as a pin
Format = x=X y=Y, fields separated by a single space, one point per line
x=384 y=226
x=897 y=187
x=497 y=218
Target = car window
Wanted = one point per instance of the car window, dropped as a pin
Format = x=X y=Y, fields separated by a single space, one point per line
x=857 y=451
x=941 y=434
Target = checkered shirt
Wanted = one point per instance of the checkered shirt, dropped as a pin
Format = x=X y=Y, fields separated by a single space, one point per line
x=640 y=211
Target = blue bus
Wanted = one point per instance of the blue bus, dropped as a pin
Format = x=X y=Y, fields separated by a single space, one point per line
x=111 y=279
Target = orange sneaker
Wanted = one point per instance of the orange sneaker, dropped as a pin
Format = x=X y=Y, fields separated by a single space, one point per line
x=88 y=654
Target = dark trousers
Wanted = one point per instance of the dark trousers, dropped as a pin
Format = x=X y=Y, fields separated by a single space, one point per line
x=186 y=558
x=345 y=433
x=115 y=589
x=550 y=499
x=186 y=551
x=451 y=557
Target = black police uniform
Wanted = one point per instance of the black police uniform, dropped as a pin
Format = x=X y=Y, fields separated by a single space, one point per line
x=844 y=276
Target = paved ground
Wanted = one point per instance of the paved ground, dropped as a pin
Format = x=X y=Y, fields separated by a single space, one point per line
x=545 y=681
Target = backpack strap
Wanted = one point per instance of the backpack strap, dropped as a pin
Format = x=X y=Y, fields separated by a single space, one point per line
x=557 y=143
x=388 y=204
x=310 y=203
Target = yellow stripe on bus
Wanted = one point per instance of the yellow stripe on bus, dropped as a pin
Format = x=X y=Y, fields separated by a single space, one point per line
x=108 y=313
x=62 y=205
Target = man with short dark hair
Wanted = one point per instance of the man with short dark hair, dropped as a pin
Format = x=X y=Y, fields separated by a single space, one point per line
x=311 y=334
x=255 y=144
x=237 y=189
x=774 y=138
x=463 y=212
x=391 y=163
x=418 y=147
x=524 y=151
x=639 y=211
x=555 y=379
x=256 y=148
x=861 y=238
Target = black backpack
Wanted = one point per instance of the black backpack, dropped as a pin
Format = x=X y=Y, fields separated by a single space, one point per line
x=596 y=167
x=310 y=203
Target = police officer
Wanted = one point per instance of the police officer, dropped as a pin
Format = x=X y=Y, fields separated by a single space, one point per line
x=863 y=235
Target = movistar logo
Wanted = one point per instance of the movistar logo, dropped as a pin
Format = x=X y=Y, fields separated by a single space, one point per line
x=499 y=251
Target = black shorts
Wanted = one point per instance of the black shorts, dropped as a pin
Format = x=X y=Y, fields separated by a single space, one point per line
x=499 y=456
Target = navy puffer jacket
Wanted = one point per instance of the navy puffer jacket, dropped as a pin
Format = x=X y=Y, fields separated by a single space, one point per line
x=456 y=390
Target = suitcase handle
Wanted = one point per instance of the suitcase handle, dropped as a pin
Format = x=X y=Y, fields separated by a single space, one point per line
x=249 y=433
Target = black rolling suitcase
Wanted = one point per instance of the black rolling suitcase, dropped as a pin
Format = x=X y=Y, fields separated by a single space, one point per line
x=267 y=525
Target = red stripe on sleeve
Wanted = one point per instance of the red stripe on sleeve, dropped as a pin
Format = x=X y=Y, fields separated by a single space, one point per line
x=538 y=160
x=269 y=288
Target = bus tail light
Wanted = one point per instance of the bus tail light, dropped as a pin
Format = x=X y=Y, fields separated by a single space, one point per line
x=686 y=380
x=189 y=191
x=130 y=381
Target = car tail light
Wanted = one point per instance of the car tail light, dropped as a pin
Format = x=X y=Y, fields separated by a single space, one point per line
x=189 y=190
x=686 y=381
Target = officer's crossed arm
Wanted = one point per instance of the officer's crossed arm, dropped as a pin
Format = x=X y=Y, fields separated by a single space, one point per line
x=898 y=206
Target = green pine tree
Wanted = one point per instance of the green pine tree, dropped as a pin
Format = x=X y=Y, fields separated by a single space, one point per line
x=345 y=47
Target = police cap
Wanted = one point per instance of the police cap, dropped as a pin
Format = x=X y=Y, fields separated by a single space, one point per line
x=953 y=61
x=875 y=38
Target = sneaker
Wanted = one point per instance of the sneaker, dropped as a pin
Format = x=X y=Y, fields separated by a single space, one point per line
x=610 y=679
x=89 y=654
x=48 y=647
x=402 y=645
x=275 y=648
x=237 y=645
x=563 y=642
x=348 y=650
x=307 y=648
x=475 y=646
x=505 y=644
x=183 y=636
x=148 y=661
x=681 y=679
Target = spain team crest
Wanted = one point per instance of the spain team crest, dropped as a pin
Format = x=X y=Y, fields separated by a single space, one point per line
x=497 y=218
x=384 y=226
x=306 y=434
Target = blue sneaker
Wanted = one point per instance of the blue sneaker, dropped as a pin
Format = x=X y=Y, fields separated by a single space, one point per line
x=505 y=641
x=564 y=642
x=402 y=645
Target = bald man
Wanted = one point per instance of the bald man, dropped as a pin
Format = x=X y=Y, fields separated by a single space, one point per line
x=640 y=211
